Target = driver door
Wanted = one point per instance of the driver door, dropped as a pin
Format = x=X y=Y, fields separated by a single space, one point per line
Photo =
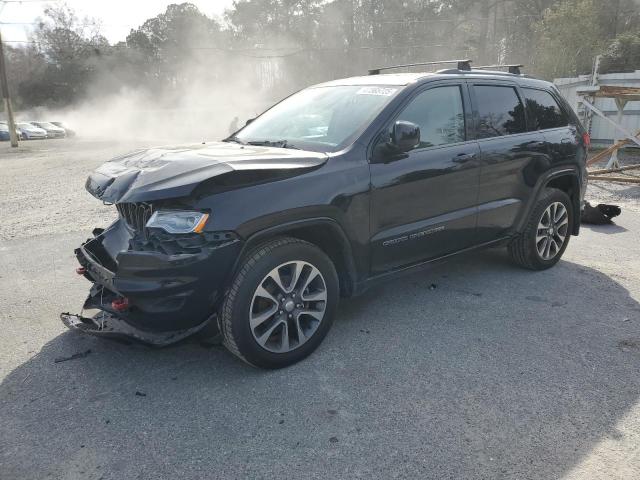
x=423 y=202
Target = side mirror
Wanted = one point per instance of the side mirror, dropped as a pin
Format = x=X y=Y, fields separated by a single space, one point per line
x=249 y=121
x=405 y=136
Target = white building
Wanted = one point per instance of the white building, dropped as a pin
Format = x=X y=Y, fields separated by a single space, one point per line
x=602 y=133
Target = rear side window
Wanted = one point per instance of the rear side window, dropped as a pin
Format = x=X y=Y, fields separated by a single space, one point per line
x=439 y=114
x=543 y=110
x=500 y=109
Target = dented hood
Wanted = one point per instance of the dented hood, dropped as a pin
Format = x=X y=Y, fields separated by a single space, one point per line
x=170 y=172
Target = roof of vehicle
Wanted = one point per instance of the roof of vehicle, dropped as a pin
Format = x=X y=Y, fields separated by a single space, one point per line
x=383 y=79
x=403 y=79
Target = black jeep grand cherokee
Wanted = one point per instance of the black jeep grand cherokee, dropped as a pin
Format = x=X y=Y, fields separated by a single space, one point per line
x=337 y=187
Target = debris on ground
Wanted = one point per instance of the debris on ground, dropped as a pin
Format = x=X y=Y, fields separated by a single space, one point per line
x=433 y=286
x=629 y=344
x=601 y=214
x=72 y=357
x=140 y=394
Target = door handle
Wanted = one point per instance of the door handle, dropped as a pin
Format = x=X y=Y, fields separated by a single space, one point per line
x=463 y=157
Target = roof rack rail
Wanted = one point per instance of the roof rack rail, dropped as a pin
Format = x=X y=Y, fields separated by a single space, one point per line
x=515 y=69
x=462 y=65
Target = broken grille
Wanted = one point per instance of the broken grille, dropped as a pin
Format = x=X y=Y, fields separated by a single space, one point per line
x=135 y=215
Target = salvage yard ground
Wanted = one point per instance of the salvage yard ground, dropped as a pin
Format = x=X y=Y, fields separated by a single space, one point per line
x=473 y=369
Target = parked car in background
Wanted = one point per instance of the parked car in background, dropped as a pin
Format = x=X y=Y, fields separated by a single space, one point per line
x=52 y=130
x=29 y=131
x=70 y=133
x=4 y=132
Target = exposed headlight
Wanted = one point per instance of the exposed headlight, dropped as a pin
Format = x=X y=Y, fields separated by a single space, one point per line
x=178 y=221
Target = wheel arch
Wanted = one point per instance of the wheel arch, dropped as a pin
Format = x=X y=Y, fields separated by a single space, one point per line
x=323 y=232
x=565 y=179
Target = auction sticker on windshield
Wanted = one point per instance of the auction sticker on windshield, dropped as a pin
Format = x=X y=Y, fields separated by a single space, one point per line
x=384 y=91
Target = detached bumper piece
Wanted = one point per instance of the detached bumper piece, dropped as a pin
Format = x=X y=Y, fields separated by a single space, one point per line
x=104 y=324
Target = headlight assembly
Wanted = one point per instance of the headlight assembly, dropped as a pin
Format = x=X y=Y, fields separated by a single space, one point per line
x=178 y=221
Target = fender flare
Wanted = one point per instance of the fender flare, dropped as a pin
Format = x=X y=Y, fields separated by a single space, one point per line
x=282 y=229
x=571 y=171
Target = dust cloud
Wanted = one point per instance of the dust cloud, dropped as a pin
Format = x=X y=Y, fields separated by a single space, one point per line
x=198 y=111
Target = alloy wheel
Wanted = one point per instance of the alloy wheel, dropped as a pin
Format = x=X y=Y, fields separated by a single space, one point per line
x=288 y=306
x=552 y=230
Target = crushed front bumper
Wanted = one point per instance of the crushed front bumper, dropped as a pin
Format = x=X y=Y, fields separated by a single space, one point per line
x=169 y=296
x=105 y=324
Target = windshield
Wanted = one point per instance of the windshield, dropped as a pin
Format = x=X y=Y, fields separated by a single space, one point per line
x=319 y=118
x=44 y=125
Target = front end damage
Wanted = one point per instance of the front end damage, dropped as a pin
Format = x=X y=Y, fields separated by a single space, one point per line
x=148 y=285
x=153 y=284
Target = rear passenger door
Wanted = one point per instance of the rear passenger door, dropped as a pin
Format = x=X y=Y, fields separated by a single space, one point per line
x=510 y=156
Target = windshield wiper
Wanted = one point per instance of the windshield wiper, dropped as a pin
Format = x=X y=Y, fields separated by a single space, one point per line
x=276 y=143
x=234 y=140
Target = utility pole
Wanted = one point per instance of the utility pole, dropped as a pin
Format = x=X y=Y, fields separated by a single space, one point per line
x=5 y=97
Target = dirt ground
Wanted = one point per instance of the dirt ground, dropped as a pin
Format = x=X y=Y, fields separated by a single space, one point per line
x=472 y=369
x=625 y=194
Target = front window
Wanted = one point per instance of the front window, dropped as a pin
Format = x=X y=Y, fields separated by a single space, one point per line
x=321 y=119
x=440 y=115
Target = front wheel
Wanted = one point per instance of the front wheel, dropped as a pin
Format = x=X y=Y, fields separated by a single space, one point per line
x=281 y=303
x=546 y=234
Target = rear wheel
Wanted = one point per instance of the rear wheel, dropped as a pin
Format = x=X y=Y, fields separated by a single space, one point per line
x=280 y=304
x=546 y=234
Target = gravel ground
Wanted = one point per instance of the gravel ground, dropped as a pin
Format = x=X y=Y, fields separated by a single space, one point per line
x=494 y=373
x=623 y=194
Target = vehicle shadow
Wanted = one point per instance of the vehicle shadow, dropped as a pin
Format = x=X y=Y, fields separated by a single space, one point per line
x=473 y=369
x=609 y=229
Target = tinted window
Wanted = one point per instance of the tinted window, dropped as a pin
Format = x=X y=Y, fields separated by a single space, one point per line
x=501 y=111
x=543 y=110
x=439 y=114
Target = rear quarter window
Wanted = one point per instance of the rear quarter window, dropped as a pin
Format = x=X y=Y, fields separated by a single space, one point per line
x=543 y=111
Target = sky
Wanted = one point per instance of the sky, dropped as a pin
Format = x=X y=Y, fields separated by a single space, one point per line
x=118 y=17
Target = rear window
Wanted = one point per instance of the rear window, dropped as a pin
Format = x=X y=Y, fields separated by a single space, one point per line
x=543 y=110
x=500 y=109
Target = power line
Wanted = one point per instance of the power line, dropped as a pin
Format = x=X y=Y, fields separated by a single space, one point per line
x=321 y=23
x=248 y=52
x=29 y=1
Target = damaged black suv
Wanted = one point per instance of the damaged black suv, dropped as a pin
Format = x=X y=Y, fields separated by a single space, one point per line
x=336 y=187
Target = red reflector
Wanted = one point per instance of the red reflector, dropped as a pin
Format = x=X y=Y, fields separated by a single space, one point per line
x=586 y=139
x=120 y=304
x=81 y=270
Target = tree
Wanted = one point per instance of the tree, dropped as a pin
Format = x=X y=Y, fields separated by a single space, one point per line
x=622 y=55
x=170 y=44
x=71 y=48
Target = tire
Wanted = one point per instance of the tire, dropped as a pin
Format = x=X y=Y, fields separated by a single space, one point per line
x=254 y=293
x=524 y=249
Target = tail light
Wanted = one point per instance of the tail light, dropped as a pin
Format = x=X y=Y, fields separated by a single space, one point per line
x=586 y=139
x=120 y=304
x=81 y=270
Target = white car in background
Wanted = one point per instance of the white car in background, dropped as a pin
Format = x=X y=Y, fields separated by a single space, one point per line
x=29 y=131
x=51 y=129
